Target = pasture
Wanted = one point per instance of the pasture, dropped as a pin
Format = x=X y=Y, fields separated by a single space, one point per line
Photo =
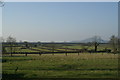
x=56 y=47
x=85 y=65
x=80 y=64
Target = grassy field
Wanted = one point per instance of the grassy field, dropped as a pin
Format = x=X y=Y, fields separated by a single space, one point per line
x=60 y=66
x=47 y=48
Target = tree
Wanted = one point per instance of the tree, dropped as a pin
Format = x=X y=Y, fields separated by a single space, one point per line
x=11 y=39
x=11 y=42
x=39 y=43
x=96 y=42
x=2 y=39
x=2 y=46
x=114 y=43
x=26 y=44
x=85 y=46
x=3 y=50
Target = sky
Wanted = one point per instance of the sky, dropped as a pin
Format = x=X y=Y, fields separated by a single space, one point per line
x=61 y=0
x=0 y=21
x=59 y=21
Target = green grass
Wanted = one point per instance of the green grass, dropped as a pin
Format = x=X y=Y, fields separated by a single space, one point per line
x=45 y=50
x=60 y=66
x=72 y=46
x=78 y=46
x=17 y=49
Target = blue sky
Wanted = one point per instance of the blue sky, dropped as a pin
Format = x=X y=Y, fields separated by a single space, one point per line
x=61 y=0
x=0 y=21
x=60 y=21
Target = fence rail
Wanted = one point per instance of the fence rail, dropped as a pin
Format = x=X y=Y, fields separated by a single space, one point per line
x=56 y=52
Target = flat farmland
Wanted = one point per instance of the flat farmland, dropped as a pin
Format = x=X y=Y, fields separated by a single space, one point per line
x=85 y=65
x=57 y=48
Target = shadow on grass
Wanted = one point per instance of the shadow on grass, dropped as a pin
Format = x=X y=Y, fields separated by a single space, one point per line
x=13 y=56
x=83 y=77
x=21 y=77
x=12 y=76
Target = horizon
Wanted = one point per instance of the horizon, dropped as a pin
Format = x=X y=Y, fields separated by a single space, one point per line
x=59 y=21
x=75 y=41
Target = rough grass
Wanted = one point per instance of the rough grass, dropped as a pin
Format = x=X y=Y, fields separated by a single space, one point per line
x=60 y=66
x=49 y=49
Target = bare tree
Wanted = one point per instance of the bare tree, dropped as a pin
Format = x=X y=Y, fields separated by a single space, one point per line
x=2 y=39
x=11 y=41
x=114 y=43
x=26 y=44
x=2 y=46
x=39 y=43
x=96 y=42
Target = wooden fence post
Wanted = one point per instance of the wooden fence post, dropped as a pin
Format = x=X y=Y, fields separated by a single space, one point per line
x=53 y=53
x=66 y=53
x=25 y=54
x=11 y=54
x=39 y=54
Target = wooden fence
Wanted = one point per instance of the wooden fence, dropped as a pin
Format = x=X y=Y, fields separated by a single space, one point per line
x=60 y=52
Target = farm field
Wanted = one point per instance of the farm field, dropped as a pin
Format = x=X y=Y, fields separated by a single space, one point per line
x=59 y=40
x=59 y=61
x=96 y=65
x=57 y=48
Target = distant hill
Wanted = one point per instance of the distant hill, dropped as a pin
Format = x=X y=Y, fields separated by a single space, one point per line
x=92 y=39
